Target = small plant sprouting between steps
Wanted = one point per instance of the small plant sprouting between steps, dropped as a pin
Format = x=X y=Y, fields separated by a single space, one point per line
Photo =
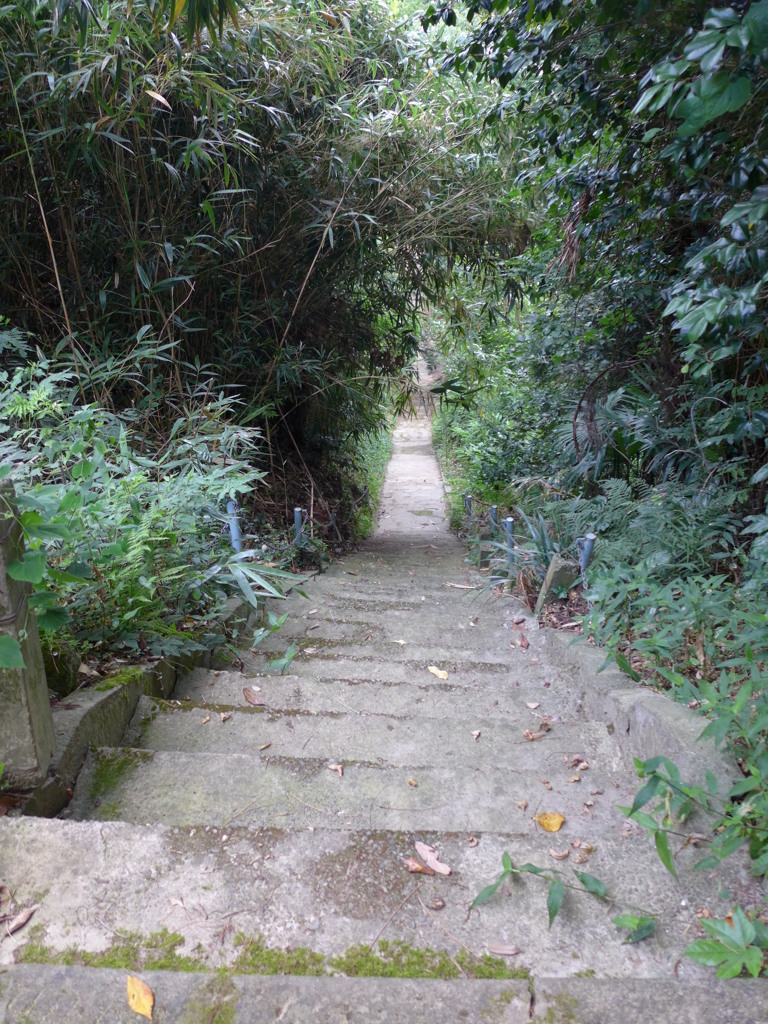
x=554 y=879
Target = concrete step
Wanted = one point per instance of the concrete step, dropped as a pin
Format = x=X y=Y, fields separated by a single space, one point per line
x=108 y=886
x=180 y=788
x=414 y=741
x=425 y=696
x=71 y=995
x=373 y=667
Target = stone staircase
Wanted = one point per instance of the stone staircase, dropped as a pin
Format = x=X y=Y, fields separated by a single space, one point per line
x=249 y=859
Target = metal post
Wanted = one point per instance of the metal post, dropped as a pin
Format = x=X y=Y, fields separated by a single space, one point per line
x=509 y=527
x=297 y=524
x=494 y=518
x=235 y=533
x=585 y=546
x=468 y=505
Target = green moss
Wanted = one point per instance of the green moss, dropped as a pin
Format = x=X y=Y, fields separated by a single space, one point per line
x=256 y=957
x=563 y=1011
x=155 y=952
x=214 y=1003
x=127 y=675
x=111 y=767
x=158 y=952
x=399 y=960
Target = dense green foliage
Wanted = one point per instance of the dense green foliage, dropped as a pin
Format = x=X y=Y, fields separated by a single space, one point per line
x=128 y=549
x=627 y=395
x=277 y=205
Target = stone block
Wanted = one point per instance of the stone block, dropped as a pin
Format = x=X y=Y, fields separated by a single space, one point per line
x=561 y=575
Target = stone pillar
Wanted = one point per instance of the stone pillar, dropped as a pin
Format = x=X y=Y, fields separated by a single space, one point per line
x=27 y=740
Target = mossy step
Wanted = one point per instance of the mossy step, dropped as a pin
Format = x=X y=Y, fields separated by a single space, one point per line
x=307 y=901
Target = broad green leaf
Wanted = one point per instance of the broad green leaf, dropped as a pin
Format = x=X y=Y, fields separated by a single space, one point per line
x=50 y=531
x=10 y=653
x=709 y=952
x=52 y=619
x=593 y=885
x=30 y=569
x=665 y=854
x=485 y=894
x=647 y=793
x=555 y=899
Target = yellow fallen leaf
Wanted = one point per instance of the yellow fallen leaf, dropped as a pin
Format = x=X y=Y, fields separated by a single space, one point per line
x=550 y=822
x=158 y=97
x=412 y=782
x=439 y=672
x=140 y=997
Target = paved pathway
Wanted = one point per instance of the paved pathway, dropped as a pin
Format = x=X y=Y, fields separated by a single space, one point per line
x=250 y=829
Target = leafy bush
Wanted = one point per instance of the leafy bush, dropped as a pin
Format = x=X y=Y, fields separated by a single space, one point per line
x=127 y=537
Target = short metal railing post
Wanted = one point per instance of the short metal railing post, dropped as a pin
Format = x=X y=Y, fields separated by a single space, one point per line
x=509 y=527
x=297 y=527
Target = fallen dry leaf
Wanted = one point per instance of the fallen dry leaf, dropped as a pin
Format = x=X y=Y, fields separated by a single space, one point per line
x=225 y=715
x=412 y=782
x=264 y=746
x=312 y=612
x=522 y=804
x=476 y=735
x=436 y=903
x=472 y=840
x=581 y=858
x=576 y=844
x=573 y=761
x=13 y=925
x=495 y=950
x=564 y=855
x=575 y=778
x=532 y=704
x=141 y=999
x=531 y=735
x=550 y=822
x=524 y=643
x=206 y=720
x=547 y=783
x=251 y=697
x=415 y=867
x=439 y=672
x=310 y=650
x=583 y=766
x=429 y=855
x=337 y=768
x=596 y=792
x=519 y=620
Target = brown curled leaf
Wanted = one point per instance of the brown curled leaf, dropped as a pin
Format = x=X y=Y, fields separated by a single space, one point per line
x=415 y=867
